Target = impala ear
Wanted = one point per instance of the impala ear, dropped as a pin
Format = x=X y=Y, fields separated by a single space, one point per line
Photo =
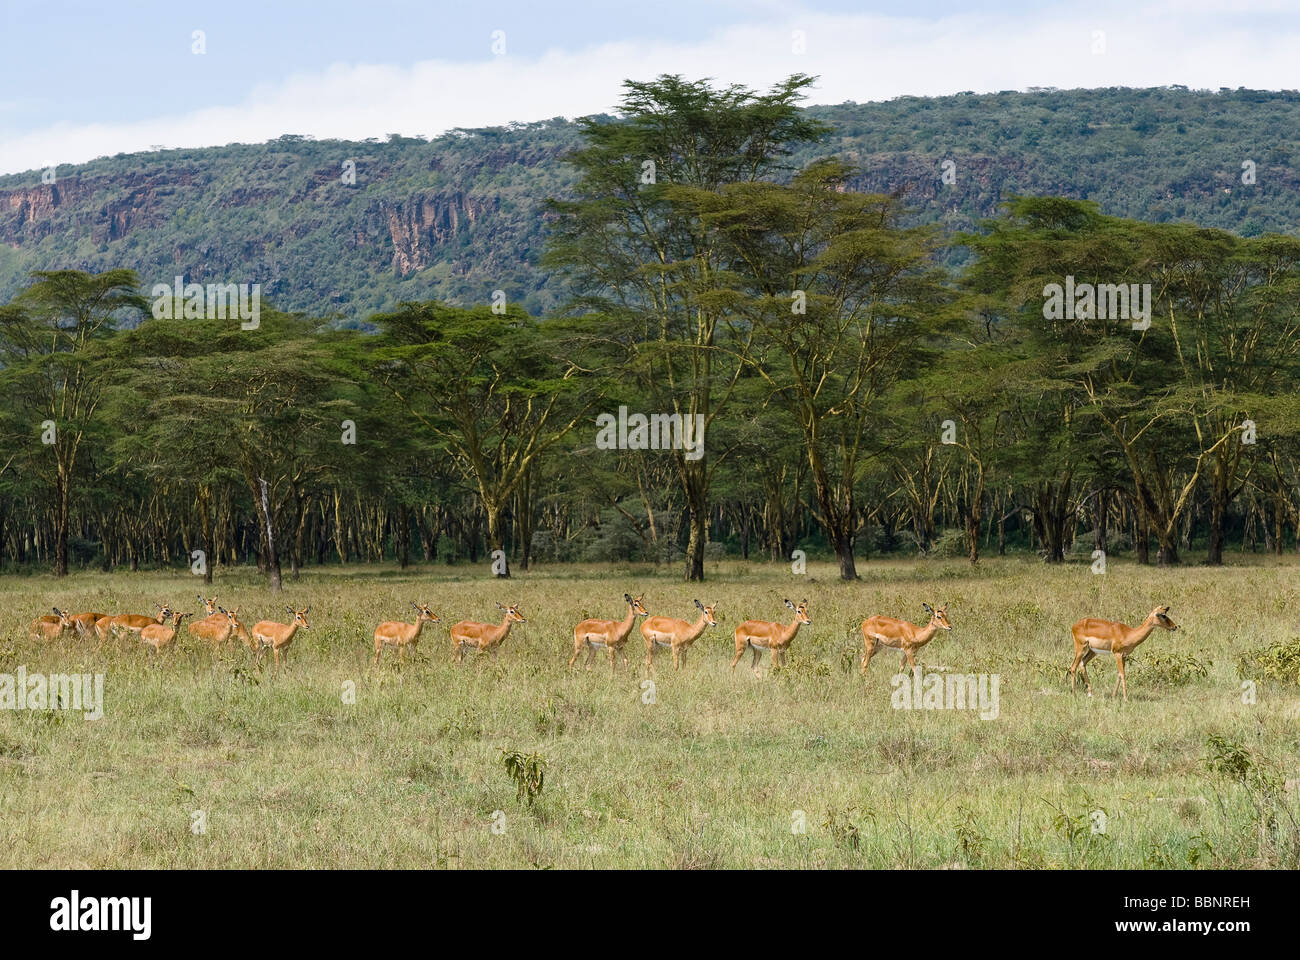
x=222 y=609
x=56 y=611
x=928 y=609
x=789 y=604
x=306 y=610
x=627 y=597
x=700 y=605
x=291 y=610
x=499 y=607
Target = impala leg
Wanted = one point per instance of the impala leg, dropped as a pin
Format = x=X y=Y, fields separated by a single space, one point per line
x=1083 y=668
x=1078 y=656
x=1120 y=680
x=649 y=656
x=868 y=651
x=740 y=652
x=611 y=661
x=909 y=655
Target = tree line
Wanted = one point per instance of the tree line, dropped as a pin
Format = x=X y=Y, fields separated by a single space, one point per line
x=1085 y=381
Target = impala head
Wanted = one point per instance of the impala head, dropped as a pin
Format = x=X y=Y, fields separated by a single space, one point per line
x=1161 y=617
x=708 y=612
x=939 y=616
x=241 y=631
x=164 y=611
x=177 y=617
x=65 y=618
x=512 y=613
x=635 y=603
x=210 y=605
x=299 y=616
x=801 y=612
x=425 y=614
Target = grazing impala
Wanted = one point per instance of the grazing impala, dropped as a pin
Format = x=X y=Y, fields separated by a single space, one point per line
x=51 y=628
x=901 y=635
x=396 y=633
x=278 y=636
x=1093 y=636
x=760 y=635
x=483 y=637
x=159 y=635
x=130 y=622
x=610 y=634
x=676 y=634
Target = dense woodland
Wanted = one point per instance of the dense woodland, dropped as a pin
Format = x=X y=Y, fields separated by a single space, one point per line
x=861 y=394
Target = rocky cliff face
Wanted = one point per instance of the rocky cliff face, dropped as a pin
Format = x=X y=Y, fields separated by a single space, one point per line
x=461 y=216
x=420 y=225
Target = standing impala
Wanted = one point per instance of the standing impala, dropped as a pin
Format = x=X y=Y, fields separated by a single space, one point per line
x=483 y=637
x=901 y=635
x=610 y=634
x=51 y=628
x=676 y=634
x=85 y=623
x=1093 y=636
x=159 y=635
x=395 y=633
x=278 y=636
x=760 y=635
x=215 y=625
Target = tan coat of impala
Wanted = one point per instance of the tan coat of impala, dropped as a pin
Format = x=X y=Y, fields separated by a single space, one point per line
x=130 y=622
x=678 y=635
x=900 y=635
x=159 y=635
x=278 y=636
x=610 y=634
x=215 y=625
x=760 y=635
x=50 y=628
x=85 y=623
x=483 y=637
x=1093 y=636
x=396 y=633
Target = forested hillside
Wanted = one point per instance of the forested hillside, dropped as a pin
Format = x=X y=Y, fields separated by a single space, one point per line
x=460 y=216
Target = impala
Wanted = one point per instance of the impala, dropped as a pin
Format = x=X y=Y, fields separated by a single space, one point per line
x=676 y=634
x=610 y=634
x=159 y=635
x=1093 y=636
x=131 y=622
x=215 y=625
x=51 y=628
x=483 y=637
x=85 y=623
x=218 y=628
x=278 y=636
x=396 y=633
x=760 y=635
x=901 y=635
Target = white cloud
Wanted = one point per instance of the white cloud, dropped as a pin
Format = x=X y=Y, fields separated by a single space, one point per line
x=1201 y=44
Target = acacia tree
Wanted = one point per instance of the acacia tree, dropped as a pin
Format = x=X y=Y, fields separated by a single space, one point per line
x=53 y=372
x=840 y=298
x=637 y=256
x=494 y=389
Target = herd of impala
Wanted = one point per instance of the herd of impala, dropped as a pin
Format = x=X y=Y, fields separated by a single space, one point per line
x=1092 y=636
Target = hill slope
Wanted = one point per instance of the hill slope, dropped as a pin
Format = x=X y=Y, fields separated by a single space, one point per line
x=460 y=216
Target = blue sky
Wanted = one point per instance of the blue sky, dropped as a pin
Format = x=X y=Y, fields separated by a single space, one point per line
x=84 y=79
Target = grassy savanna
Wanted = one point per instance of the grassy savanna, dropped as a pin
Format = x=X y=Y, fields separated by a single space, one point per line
x=711 y=774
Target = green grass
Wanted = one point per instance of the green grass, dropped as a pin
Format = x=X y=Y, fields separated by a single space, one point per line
x=713 y=773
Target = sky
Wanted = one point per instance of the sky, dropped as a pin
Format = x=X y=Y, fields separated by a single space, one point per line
x=80 y=80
